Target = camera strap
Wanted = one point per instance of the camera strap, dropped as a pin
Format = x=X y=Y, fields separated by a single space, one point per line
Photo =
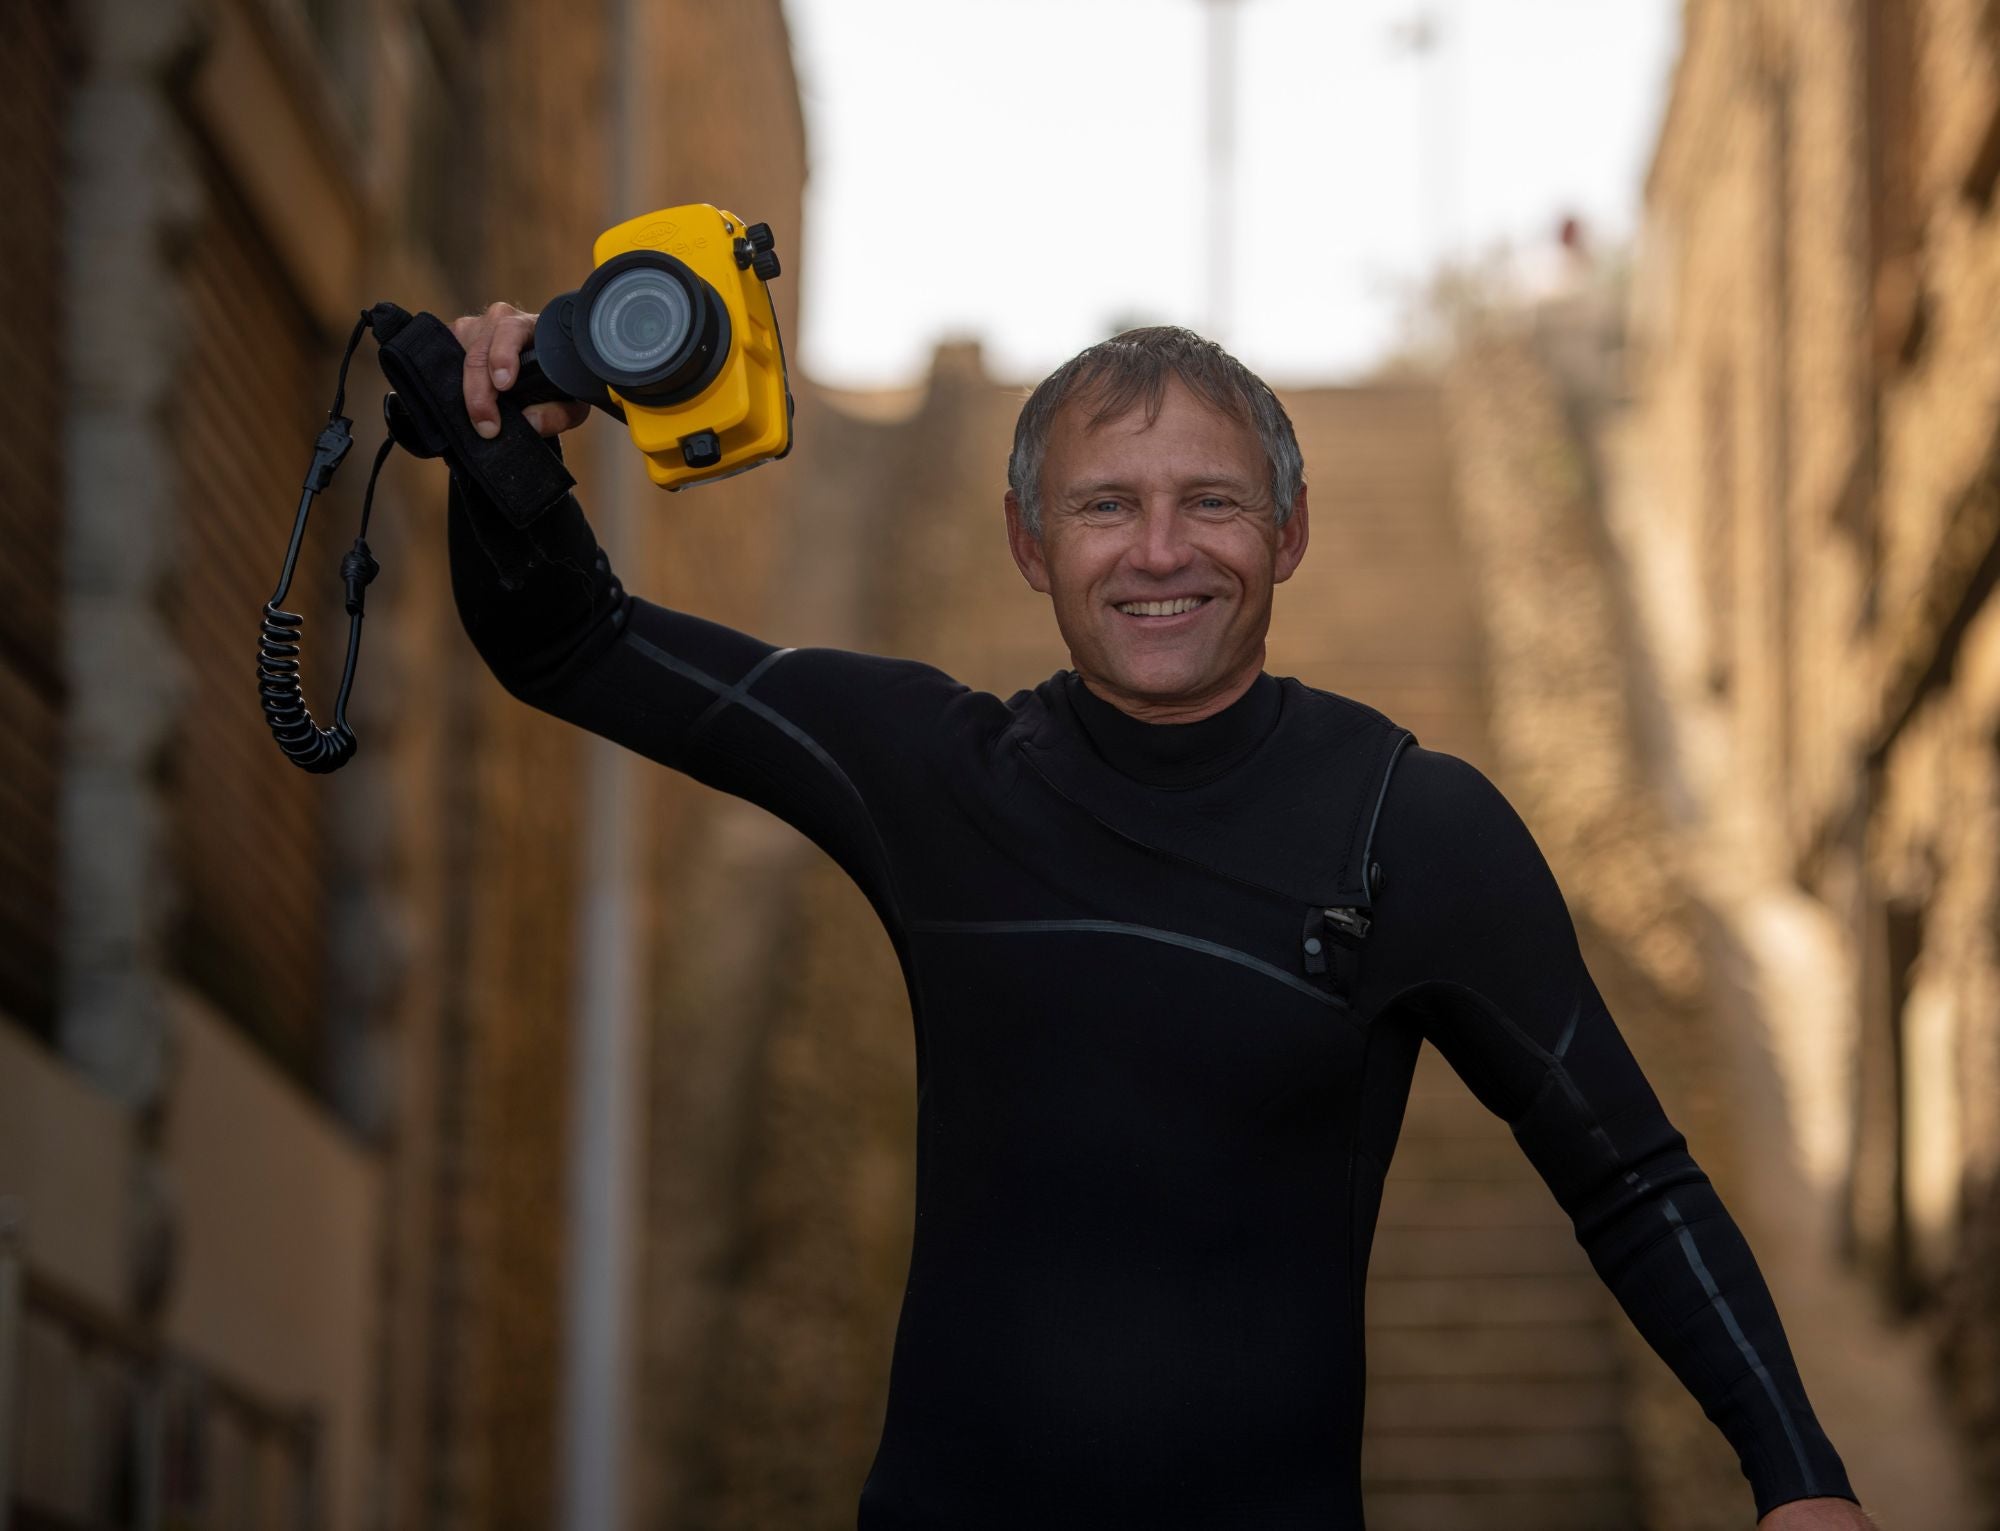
x=517 y=470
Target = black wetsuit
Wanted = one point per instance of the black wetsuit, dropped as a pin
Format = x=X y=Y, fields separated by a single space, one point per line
x=1160 y=1069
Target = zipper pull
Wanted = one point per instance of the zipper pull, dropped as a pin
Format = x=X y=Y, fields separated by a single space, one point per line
x=1351 y=920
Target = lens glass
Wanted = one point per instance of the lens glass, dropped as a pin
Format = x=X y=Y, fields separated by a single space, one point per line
x=640 y=319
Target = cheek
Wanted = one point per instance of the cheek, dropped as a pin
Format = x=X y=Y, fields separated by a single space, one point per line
x=1248 y=559
x=1080 y=566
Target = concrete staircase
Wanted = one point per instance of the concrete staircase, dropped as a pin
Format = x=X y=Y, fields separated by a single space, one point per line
x=1493 y=1401
x=1382 y=608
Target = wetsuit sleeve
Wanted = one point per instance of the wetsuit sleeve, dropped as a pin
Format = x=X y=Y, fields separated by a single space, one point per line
x=1483 y=947
x=821 y=737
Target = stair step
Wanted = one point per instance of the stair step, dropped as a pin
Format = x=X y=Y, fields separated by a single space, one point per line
x=1585 y=1507
x=1544 y=1351
x=1416 y=1302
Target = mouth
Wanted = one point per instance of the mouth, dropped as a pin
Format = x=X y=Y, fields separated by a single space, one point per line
x=1170 y=612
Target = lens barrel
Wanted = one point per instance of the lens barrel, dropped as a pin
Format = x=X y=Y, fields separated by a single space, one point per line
x=651 y=327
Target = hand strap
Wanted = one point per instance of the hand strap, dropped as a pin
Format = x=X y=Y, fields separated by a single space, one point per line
x=425 y=364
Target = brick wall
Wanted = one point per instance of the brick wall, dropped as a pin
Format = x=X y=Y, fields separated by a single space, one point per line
x=1821 y=403
x=34 y=69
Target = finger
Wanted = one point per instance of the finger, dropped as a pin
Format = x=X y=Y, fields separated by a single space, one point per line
x=478 y=380
x=504 y=357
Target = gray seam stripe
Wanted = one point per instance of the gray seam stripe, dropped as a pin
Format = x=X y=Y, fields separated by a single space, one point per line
x=735 y=693
x=1716 y=1300
x=1118 y=928
x=777 y=720
x=1736 y=1333
x=1405 y=737
x=1569 y=1030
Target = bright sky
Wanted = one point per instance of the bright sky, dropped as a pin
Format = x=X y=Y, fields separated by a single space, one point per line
x=1034 y=171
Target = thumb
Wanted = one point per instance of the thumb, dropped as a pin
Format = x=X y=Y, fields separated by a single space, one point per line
x=551 y=419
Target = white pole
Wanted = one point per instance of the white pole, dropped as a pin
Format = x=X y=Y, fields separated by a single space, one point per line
x=1429 y=36
x=1221 y=166
x=606 y=1128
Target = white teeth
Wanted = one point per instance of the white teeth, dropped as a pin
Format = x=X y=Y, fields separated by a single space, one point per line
x=1161 y=608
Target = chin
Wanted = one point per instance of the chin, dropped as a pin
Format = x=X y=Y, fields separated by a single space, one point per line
x=1162 y=681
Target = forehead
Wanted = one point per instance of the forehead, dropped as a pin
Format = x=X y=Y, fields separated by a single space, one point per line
x=1188 y=437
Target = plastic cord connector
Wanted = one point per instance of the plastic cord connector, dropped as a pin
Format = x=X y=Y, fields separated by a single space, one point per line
x=334 y=440
x=358 y=567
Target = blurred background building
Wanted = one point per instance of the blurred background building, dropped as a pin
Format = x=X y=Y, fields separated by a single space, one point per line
x=502 y=1131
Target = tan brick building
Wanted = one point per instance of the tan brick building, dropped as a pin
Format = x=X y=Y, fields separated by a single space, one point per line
x=286 y=1061
x=1812 y=516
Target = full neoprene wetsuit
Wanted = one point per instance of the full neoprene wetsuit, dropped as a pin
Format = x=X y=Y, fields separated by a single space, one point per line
x=1161 y=1065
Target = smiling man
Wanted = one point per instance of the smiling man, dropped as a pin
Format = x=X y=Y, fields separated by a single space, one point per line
x=1174 y=931
x=1165 y=525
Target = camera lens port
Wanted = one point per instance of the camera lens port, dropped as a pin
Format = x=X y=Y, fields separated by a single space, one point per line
x=651 y=327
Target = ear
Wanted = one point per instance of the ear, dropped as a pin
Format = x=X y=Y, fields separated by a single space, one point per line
x=1292 y=538
x=1025 y=546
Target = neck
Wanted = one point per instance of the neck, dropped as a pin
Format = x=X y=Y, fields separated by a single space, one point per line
x=1199 y=751
x=1175 y=709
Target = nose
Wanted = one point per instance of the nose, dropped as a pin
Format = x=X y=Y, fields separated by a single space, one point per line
x=1159 y=540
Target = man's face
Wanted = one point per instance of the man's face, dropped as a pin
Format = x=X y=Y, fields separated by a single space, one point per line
x=1176 y=512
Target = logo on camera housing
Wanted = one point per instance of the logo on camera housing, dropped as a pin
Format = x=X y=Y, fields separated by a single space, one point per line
x=675 y=331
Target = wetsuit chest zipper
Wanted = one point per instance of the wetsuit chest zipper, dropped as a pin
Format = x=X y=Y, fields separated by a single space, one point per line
x=1332 y=943
x=1333 y=938
x=1348 y=919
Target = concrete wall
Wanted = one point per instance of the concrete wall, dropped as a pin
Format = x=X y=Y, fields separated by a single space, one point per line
x=65 y=1157
x=279 y=1227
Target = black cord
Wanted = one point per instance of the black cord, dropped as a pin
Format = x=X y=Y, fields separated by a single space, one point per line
x=304 y=742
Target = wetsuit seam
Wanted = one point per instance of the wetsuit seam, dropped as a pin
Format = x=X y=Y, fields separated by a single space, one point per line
x=792 y=731
x=1506 y=1022
x=1357 y=1278
x=739 y=695
x=1144 y=932
x=1745 y=1346
x=726 y=699
x=1026 y=749
x=1401 y=738
x=1569 y=1027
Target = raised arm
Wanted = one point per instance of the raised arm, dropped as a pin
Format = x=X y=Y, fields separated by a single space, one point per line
x=1476 y=936
x=821 y=737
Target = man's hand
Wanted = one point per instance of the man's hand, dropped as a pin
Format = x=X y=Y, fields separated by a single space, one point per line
x=1832 y=1514
x=493 y=342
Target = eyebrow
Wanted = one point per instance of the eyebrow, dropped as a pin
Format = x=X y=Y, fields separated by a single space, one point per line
x=1110 y=485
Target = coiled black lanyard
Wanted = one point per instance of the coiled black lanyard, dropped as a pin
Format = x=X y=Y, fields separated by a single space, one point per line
x=305 y=743
x=517 y=472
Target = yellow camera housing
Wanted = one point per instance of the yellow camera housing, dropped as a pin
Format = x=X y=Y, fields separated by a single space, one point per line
x=675 y=331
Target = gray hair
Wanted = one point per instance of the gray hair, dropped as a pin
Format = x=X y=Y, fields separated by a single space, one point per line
x=1133 y=367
